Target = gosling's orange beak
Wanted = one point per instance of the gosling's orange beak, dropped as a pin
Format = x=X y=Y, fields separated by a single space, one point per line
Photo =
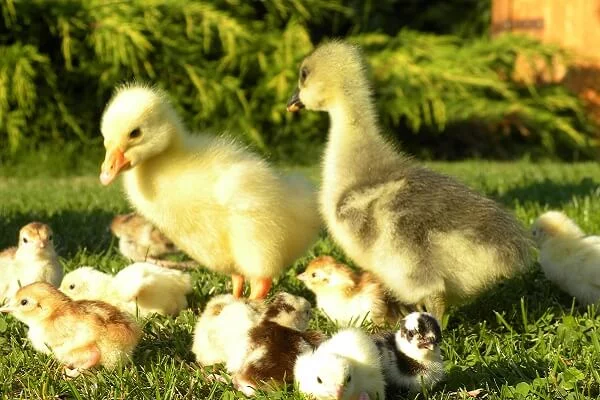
x=114 y=162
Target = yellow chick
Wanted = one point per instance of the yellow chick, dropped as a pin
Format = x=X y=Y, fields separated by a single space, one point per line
x=140 y=289
x=568 y=257
x=347 y=297
x=81 y=334
x=33 y=260
x=218 y=202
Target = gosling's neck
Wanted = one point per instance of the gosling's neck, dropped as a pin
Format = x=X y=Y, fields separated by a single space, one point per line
x=355 y=143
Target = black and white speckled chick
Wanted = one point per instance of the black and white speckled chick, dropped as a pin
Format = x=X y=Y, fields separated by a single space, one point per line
x=411 y=356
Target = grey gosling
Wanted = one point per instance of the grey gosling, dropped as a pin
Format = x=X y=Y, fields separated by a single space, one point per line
x=428 y=237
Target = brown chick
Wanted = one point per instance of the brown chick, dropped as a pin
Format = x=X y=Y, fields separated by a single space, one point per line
x=81 y=334
x=33 y=260
x=139 y=240
x=349 y=297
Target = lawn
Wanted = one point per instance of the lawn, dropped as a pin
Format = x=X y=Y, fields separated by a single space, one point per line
x=523 y=340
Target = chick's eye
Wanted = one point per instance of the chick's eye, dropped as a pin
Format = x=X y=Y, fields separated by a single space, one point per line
x=72 y=286
x=24 y=302
x=50 y=237
x=135 y=133
x=319 y=380
x=303 y=74
x=25 y=240
x=349 y=379
x=314 y=275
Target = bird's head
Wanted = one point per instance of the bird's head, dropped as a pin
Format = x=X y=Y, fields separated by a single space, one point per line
x=138 y=124
x=84 y=283
x=554 y=224
x=325 y=273
x=36 y=240
x=325 y=375
x=289 y=310
x=34 y=303
x=332 y=73
x=419 y=336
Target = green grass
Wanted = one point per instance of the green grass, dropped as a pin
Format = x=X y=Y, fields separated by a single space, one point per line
x=523 y=340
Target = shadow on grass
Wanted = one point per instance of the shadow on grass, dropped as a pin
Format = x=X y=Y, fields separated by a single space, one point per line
x=73 y=230
x=550 y=192
x=528 y=296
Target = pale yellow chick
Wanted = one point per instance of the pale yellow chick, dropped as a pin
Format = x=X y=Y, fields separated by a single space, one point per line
x=347 y=297
x=568 y=257
x=218 y=202
x=81 y=334
x=140 y=289
x=33 y=260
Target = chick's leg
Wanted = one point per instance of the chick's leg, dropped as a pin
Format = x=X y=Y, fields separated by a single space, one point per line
x=83 y=358
x=237 y=281
x=260 y=288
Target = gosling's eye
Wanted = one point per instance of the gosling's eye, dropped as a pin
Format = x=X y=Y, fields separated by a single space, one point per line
x=135 y=133
x=50 y=237
x=314 y=275
x=24 y=302
x=25 y=240
x=349 y=379
x=319 y=380
x=410 y=335
x=303 y=74
x=72 y=286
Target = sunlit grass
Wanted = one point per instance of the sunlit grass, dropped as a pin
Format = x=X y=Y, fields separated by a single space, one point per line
x=524 y=340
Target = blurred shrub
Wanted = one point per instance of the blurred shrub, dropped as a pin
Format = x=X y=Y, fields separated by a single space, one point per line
x=230 y=65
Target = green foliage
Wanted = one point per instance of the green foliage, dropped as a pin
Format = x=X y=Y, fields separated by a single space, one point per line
x=230 y=65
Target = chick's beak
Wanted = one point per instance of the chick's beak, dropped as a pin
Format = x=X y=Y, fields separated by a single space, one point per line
x=301 y=277
x=294 y=104
x=428 y=344
x=6 y=309
x=114 y=162
x=339 y=392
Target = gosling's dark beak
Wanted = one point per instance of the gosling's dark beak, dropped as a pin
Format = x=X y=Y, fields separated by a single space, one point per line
x=294 y=104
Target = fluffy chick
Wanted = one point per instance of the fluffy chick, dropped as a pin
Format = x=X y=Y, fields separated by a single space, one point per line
x=568 y=258
x=430 y=238
x=411 y=357
x=140 y=288
x=272 y=353
x=215 y=341
x=347 y=297
x=342 y=368
x=138 y=238
x=81 y=334
x=33 y=260
x=219 y=203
